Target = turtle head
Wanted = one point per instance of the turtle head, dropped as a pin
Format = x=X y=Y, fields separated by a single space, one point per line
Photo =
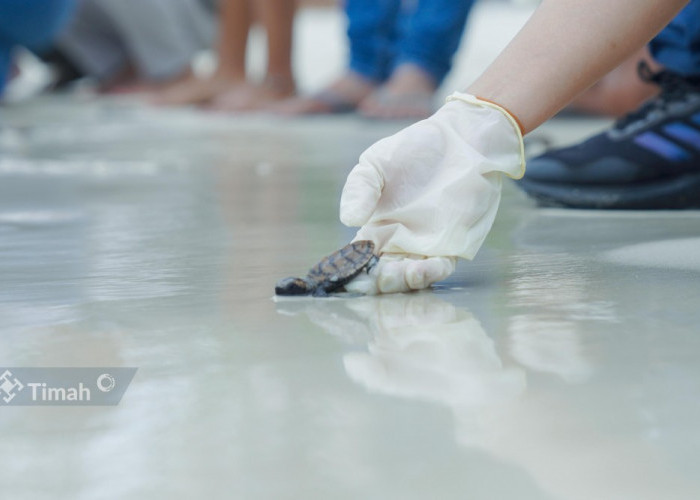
x=294 y=286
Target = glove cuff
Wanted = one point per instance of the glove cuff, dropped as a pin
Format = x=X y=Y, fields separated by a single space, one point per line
x=512 y=119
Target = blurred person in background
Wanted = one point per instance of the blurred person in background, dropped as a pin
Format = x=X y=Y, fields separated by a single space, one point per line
x=400 y=52
x=229 y=88
x=648 y=159
x=28 y=23
x=129 y=46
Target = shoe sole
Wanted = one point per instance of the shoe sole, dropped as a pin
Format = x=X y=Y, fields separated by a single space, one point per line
x=675 y=194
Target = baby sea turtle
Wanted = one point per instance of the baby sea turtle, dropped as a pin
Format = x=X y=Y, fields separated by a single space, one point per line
x=333 y=272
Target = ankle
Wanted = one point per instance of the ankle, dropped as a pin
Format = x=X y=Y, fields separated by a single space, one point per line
x=411 y=78
x=228 y=76
x=280 y=82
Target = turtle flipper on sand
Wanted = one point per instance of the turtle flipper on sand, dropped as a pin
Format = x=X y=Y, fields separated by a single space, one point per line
x=332 y=272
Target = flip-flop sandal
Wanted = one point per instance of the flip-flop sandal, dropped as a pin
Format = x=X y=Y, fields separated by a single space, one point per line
x=334 y=102
x=420 y=104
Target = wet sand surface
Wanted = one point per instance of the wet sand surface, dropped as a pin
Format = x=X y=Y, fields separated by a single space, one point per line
x=560 y=364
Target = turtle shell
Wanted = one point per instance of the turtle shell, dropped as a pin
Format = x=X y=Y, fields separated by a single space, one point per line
x=335 y=270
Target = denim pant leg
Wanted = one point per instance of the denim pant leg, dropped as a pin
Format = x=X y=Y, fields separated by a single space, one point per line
x=677 y=47
x=5 y=50
x=430 y=32
x=30 y=23
x=372 y=36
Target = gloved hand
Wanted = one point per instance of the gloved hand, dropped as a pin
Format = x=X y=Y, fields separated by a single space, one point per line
x=395 y=273
x=430 y=193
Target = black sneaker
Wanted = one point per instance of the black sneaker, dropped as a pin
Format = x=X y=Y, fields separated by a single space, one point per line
x=649 y=159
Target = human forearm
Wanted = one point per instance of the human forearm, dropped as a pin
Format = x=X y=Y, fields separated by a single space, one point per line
x=564 y=48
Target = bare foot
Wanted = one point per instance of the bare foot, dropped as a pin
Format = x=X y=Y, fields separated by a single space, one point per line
x=196 y=91
x=620 y=91
x=408 y=94
x=341 y=96
x=248 y=97
x=134 y=87
x=140 y=86
x=121 y=82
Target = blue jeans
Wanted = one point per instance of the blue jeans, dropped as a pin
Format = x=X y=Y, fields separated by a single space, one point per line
x=677 y=47
x=31 y=23
x=386 y=33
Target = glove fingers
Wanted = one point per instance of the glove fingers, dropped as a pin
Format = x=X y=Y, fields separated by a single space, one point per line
x=364 y=283
x=413 y=274
x=361 y=193
x=391 y=277
x=396 y=275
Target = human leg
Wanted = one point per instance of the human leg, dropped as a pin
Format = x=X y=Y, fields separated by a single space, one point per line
x=32 y=23
x=92 y=43
x=160 y=36
x=677 y=47
x=371 y=35
x=5 y=62
x=428 y=34
x=234 y=25
x=277 y=17
x=618 y=92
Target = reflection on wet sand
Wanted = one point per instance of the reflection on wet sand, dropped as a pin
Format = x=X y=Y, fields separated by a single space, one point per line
x=420 y=347
x=153 y=238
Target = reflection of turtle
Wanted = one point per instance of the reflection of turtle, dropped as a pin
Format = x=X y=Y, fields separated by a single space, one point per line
x=333 y=272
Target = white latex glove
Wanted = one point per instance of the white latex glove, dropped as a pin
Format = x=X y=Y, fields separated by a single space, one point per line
x=395 y=273
x=432 y=190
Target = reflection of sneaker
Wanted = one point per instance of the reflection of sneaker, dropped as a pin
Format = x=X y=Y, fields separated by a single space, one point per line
x=649 y=159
